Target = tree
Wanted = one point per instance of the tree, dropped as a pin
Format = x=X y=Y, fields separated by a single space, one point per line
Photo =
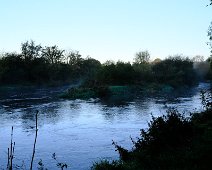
x=124 y=74
x=142 y=57
x=210 y=3
x=90 y=68
x=109 y=62
x=198 y=59
x=53 y=54
x=74 y=58
x=12 y=68
x=176 y=70
x=29 y=50
x=157 y=60
x=91 y=65
x=210 y=36
x=210 y=32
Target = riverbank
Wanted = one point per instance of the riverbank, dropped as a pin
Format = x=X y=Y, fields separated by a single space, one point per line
x=30 y=93
x=85 y=127
x=172 y=141
x=121 y=91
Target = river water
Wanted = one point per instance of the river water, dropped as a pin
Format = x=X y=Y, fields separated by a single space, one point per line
x=79 y=132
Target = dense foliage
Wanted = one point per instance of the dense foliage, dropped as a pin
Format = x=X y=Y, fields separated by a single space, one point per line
x=175 y=71
x=51 y=65
x=170 y=142
x=44 y=65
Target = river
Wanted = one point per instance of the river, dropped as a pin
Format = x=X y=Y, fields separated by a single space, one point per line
x=79 y=132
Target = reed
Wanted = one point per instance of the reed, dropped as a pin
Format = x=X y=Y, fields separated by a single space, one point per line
x=10 y=152
x=36 y=135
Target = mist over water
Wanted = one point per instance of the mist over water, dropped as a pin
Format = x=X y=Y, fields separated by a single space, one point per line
x=80 y=132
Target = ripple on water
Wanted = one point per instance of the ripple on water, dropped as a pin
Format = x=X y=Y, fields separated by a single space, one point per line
x=81 y=132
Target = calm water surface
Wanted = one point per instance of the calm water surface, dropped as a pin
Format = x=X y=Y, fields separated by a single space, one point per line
x=79 y=132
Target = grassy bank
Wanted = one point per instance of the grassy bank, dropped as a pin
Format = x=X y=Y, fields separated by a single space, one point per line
x=113 y=91
x=98 y=92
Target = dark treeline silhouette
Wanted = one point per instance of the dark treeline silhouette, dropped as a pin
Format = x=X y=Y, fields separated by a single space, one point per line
x=44 y=65
x=175 y=71
x=210 y=36
x=50 y=65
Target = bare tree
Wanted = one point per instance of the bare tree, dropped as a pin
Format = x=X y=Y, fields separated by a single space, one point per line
x=198 y=59
x=53 y=54
x=142 y=57
x=29 y=50
x=210 y=37
x=74 y=58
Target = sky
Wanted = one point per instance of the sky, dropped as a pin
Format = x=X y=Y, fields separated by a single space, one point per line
x=108 y=29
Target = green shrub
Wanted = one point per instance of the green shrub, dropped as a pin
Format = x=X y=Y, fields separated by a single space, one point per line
x=171 y=142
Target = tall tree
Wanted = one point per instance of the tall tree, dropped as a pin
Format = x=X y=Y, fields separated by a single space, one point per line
x=29 y=50
x=74 y=58
x=142 y=57
x=210 y=37
x=198 y=59
x=210 y=32
x=53 y=54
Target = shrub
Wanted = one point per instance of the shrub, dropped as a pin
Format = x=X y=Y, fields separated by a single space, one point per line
x=170 y=142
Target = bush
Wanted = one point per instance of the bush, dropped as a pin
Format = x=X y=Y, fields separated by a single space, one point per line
x=175 y=71
x=171 y=142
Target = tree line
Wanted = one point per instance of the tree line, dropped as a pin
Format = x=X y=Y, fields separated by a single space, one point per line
x=51 y=65
x=43 y=65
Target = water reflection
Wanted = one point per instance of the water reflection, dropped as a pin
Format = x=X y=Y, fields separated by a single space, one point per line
x=80 y=132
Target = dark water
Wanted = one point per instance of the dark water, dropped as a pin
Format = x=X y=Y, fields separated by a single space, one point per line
x=79 y=132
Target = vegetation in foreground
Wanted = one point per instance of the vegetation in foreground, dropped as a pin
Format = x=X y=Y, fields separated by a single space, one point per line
x=171 y=142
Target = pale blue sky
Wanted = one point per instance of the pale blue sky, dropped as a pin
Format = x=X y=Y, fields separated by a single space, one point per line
x=108 y=29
